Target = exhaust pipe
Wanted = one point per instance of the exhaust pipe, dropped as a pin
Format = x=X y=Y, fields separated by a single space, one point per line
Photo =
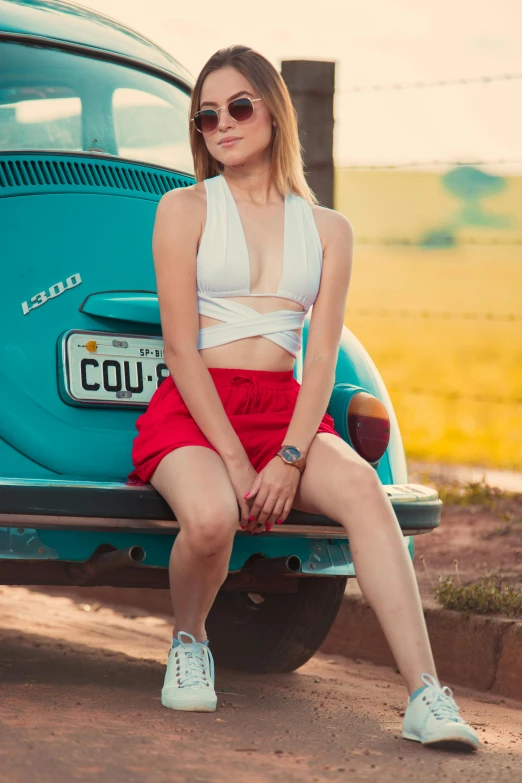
x=108 y=561
x=273 y=566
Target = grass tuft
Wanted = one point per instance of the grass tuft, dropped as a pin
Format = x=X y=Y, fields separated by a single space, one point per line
x=473 y=493
x=489 y=595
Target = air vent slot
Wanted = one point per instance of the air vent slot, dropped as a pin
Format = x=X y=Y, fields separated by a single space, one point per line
x=64 y=173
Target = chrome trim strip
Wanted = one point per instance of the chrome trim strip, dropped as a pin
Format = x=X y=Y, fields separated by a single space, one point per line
x=165 y=526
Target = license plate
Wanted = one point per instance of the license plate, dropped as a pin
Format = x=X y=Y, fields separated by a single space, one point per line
x=107 y=368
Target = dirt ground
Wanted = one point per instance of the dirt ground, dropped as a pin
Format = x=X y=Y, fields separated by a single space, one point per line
x=80 y=694
x=80 y=701
x=479 y=539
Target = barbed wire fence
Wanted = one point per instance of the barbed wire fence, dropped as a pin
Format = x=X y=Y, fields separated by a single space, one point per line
x=497 y=399
x=458 y=82
x=446 y=315
x=440 y=243
x=511 y=318
x=433 y=162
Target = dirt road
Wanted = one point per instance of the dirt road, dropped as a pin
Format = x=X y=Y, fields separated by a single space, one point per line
x=80 y=687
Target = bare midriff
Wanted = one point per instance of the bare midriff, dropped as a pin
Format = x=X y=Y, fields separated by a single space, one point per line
x=251 y=353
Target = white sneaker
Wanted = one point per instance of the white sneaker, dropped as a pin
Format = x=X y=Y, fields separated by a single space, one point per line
x=189 y=679
x=433 y=719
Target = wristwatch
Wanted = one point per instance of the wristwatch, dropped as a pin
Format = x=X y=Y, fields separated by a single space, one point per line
x=292 y=455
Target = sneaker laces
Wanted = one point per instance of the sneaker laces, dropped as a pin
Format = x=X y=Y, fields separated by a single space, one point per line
x=191 y=660
x=441 y=704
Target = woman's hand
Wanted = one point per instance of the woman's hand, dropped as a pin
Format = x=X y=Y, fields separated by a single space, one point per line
x=273 y=492
x=241 y=477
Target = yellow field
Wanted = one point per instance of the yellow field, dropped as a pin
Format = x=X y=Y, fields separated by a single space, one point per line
x=437 y=369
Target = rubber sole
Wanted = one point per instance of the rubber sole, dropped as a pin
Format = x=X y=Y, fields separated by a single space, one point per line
x=189 y=706
x=448 y=743
x=452 y=743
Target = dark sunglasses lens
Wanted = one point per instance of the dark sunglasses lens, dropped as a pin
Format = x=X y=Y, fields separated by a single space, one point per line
x=241 y=109
x=206 y=120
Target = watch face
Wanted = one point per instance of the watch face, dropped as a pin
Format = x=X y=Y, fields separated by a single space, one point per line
x=291 y=453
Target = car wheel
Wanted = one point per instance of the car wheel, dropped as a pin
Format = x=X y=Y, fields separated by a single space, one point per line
x=273 y=632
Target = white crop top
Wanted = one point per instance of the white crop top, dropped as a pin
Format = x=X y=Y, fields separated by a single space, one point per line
x=223 y=270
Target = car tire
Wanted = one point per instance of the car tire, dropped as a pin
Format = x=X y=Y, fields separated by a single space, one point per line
x=273 y=632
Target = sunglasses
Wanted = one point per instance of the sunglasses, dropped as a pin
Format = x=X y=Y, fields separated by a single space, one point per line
x=240 y=109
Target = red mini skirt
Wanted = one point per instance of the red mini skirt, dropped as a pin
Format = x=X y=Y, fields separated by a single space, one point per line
x=258 y=403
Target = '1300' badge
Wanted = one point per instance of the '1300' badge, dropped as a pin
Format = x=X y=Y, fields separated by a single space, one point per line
x=55 y=290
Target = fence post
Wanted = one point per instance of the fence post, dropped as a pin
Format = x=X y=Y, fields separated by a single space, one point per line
x=311 y=84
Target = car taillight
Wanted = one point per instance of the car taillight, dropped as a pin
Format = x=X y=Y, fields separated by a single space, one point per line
x=368 y=426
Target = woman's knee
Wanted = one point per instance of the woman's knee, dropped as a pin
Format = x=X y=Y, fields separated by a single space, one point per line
x=210 y=531
x=361 y=481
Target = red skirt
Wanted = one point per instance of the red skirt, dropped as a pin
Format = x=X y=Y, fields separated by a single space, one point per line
x=258 y=403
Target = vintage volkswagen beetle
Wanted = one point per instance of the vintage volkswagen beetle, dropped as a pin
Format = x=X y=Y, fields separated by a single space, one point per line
x=93 y=130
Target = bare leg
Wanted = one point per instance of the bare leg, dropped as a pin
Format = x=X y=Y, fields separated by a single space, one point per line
x=195 y=483
x=340 y=484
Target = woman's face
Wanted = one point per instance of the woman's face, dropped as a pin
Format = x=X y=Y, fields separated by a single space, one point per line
x=248 y=140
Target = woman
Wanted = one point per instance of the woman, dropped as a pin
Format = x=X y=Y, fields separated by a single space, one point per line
x=239 y=259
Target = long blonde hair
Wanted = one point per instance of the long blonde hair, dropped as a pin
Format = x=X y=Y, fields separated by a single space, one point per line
x=286 y=150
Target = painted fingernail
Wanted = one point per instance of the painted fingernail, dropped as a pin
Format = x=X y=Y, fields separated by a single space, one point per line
x=279 y=521
x=243 y=527
x=251 y=519
x=247 y=494
x=268 y=528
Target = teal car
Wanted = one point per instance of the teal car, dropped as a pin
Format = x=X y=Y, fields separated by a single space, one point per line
x=93 y=131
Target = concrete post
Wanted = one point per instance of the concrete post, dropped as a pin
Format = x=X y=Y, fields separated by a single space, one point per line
x=311 y=84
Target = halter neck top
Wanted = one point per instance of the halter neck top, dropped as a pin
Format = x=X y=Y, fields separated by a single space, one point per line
x=223 y=270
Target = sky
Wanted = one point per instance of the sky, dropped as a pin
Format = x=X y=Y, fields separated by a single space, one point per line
x=373 y=42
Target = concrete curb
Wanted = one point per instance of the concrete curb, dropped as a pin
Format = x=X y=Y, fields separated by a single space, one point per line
x=482 y=652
